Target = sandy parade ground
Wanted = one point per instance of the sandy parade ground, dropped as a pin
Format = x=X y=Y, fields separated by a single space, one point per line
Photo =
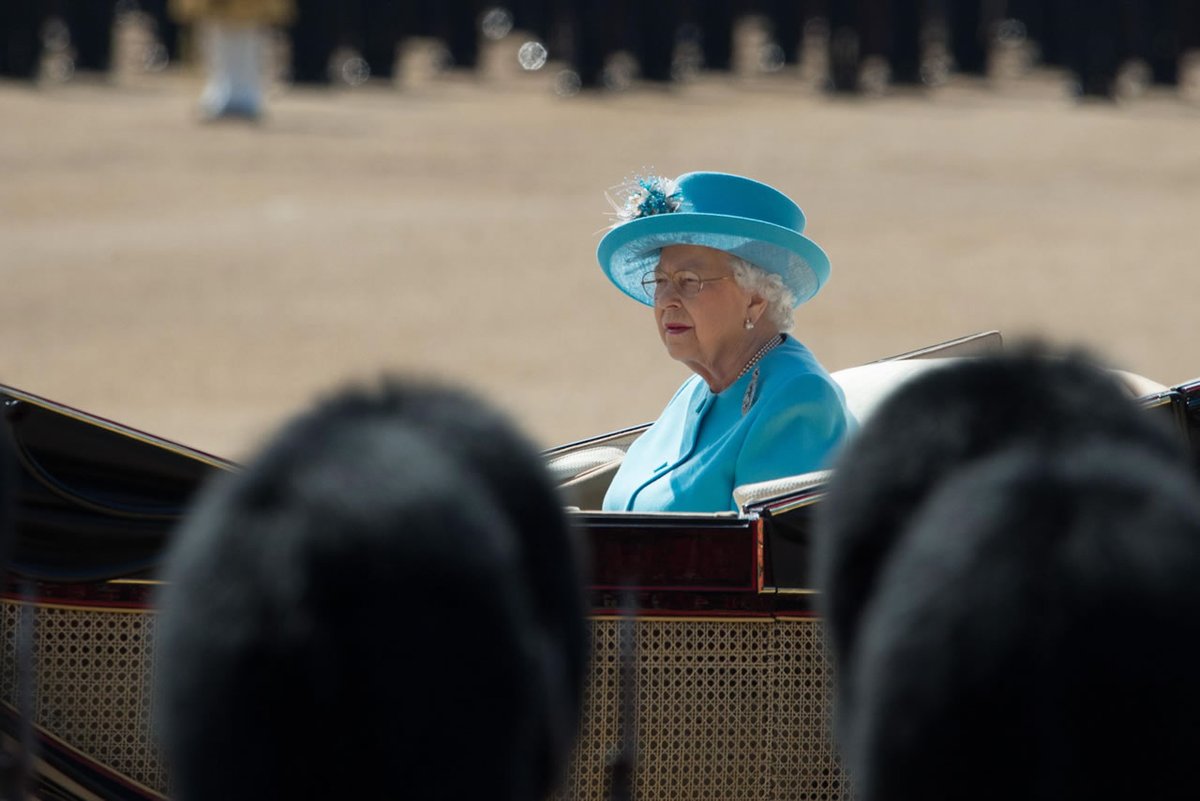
x=202 y=281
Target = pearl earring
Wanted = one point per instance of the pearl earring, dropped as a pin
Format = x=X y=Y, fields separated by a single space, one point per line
x=749 y=324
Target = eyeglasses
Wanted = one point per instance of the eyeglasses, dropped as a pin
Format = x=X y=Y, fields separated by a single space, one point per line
x=686 y=283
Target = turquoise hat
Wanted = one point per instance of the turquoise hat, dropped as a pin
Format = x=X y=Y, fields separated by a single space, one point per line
x=748 y=219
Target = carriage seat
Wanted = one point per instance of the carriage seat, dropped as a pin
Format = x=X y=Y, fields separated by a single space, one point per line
x=579 y=464
x=583 y=476
x=865 y=387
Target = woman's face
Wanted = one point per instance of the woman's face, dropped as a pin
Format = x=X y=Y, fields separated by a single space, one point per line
x=707 y=331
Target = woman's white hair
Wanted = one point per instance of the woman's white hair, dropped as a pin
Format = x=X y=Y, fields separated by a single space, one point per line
x=780 y=300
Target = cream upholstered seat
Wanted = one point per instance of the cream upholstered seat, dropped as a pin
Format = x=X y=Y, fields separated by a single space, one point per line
x=583 y=472
x=865 y=387
x=576 y=464
x=748 y=494
x=1139 y=385
x=583 y=476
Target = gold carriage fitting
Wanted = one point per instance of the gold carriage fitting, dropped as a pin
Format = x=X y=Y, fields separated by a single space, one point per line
x=730 y=686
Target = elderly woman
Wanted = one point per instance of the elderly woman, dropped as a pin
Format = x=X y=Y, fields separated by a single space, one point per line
x=722 y=260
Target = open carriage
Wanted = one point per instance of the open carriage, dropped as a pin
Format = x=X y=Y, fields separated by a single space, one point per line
x=732 y=684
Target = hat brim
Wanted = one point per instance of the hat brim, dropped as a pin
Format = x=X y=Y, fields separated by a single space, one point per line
x=629 y=251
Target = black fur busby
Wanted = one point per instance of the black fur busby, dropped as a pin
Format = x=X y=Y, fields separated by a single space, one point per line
x=1036 y=635
x=387 y=601
x=935 y=426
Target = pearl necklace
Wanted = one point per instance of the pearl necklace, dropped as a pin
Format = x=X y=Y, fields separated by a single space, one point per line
x=756 y=358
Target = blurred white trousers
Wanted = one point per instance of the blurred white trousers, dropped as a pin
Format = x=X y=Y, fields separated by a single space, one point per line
x=235 y=55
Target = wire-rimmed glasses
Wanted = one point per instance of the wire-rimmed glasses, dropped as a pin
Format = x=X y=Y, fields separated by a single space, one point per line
x=685 y=282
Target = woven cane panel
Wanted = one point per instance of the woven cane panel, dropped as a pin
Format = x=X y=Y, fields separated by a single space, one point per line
x=93 y=689
x=726 y=710
x=804 y=761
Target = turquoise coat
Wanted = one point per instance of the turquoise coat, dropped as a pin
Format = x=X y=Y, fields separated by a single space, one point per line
x=784 y=417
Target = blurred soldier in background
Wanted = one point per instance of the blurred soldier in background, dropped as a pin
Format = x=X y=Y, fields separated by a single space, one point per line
x=314 y=35
x=787 y=22
x=90 y=23
x=593 y=31
x=21 y=38
x=1045 y=24
x=596 y=29
x=889 y=33
x=235 y=51
x=892 y=36
x=1094 y=40
x=374 y=28
x=456 y=24
x=1097 y=43
x=653 y=29
x=971 y=24
x=382 y=24
x=166 y=29
x=857 y=31
x=715 y=19
x=91 y=26
x=906 y=38
x=1110 y=47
